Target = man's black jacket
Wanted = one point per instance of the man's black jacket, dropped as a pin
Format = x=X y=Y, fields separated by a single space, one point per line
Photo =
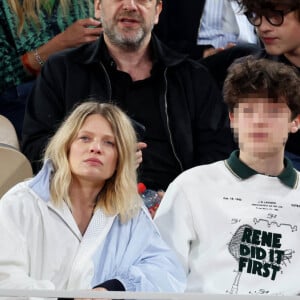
x=193 y=113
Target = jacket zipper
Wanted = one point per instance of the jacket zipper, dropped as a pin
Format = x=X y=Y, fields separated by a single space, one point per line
x=166 y=110
x=108 y=81
x=168 y=122
x=65 y=221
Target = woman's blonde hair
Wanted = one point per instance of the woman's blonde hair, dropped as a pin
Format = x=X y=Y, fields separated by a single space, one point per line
x=29 y=10
x=119 y=194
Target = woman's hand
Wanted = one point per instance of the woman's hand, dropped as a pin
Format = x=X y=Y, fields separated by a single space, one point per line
x=99 y=289
x=80 y=32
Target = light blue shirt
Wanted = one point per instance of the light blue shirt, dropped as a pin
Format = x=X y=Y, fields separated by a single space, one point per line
x=214 y=28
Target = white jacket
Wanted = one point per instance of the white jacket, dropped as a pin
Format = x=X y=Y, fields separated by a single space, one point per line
x=41 y=246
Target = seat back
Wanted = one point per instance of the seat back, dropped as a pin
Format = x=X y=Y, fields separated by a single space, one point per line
x=8 y=134
x=14 y=167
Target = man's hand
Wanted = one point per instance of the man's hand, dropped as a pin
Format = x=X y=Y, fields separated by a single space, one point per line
x=211 y=51
x=139 y=153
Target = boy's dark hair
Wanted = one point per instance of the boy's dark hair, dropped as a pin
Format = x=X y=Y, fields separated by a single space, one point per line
x=252 y=77
x=260 y=5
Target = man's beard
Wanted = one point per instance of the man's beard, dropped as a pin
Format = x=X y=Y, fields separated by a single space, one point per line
x=125 y=42
x=129 y=42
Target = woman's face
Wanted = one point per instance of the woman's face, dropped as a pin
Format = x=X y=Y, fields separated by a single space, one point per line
x=93 y=153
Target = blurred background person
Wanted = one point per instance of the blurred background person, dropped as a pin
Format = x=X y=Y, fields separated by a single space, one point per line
x=30 y=31
x=203 y=28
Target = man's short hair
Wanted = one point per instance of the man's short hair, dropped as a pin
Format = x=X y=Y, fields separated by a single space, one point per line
x=251 y=77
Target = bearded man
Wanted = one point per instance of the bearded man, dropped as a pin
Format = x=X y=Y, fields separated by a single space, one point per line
x=174 y=98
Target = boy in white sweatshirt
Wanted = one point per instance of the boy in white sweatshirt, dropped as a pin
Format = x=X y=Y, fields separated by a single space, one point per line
x=235 y=223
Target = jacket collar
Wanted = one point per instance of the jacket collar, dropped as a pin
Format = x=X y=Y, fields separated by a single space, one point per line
x=91 y=53
x=40 y=184
x=288 y=176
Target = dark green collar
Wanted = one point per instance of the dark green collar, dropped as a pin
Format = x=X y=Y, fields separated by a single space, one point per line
x=288 y=176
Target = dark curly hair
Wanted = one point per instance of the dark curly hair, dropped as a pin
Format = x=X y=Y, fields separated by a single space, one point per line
x=260 y=77
x=259 y=5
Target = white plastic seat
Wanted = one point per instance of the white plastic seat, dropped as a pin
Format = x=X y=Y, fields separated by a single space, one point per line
x=14 y=168
x=8 y=133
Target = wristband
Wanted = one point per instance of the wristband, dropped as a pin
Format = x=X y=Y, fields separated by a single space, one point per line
x=26 y=64
x=38 y=58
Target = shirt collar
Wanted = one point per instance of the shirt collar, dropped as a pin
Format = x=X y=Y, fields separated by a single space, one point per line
x=288 y=176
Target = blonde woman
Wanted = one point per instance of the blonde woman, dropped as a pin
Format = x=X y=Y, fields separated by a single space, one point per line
x=80 y=224
x=30 y=31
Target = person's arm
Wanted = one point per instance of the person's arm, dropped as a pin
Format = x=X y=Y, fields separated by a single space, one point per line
x=174 y=220
x=10 y=63
x=15 y=244
x=44 y=112
x=143 y=262
x=80 y=32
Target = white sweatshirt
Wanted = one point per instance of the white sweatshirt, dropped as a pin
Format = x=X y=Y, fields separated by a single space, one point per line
x=236 y=231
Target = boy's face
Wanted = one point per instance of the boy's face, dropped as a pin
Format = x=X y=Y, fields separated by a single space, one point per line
x=283 y=39
x=262 y=127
